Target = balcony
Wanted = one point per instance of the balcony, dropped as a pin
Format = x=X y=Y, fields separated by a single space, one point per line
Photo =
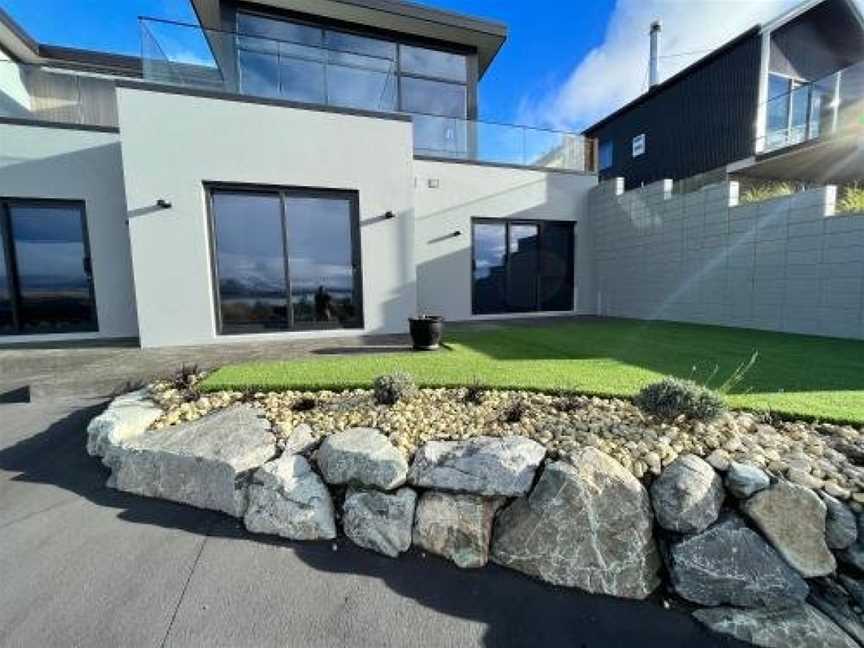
x=819 y=109
x=347 y=78
x=33 y=93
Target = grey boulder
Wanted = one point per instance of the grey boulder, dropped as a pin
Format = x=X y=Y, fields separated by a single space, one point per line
x=730 y=564
x=361 y=457
x=793 y=518
x=487 y=466
x=688 y=495
x=841 y=527
x=830 y=598
x=205 y=463
x=289 y=500
x=458 y=527
x=301 y=440
x=126 y=417
x=380 y=521
x=796 y=627
x=586 y=525
x=743 y=480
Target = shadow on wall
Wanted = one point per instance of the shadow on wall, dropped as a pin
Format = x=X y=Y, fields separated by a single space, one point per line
x=515 y=610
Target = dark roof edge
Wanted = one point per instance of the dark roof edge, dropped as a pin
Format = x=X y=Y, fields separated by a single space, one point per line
x=675 y=78
x=452 y=18
x=12 y=25
x=93 y=60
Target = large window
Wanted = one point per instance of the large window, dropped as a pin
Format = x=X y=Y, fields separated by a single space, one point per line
x=286 y=259
x=522 y=266
x=606 y=154
x=789 y=110
x=45 y=278
x=313 y=64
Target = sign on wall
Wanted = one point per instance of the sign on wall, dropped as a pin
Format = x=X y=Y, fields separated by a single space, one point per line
x=639 y=145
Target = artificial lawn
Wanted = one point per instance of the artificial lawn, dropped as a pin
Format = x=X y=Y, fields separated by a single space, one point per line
x=793 y=374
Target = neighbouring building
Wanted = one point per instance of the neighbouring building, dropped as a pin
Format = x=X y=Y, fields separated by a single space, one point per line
x=784 y=100
x=282 y=168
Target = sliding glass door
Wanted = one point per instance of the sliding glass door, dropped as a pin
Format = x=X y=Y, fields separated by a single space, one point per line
x=286 y=259
x=46 y=283
x=522 y=266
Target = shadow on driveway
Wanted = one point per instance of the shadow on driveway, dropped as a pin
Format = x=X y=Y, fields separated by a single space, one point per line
x=516 y=610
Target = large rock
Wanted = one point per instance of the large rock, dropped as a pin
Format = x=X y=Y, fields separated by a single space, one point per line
x=743 y=480
x=481 y=466
x=688 y=495
x=730 y=564
x=586 y=525
x=380 y=521
x=458 y=527
x=841 y=527
x=301 y=440
x=126 y=417
x=287 y=499
x=205 y=463
x=797 y=627
x=361 y=457
x=793 y=517
x=832 y=600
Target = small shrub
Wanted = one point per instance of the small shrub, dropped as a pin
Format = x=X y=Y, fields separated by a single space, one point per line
x=569 y=403
x=473 y=394
x=673 y=397
x=391 y=388
x=851 y=200
x=515 y=411
x=767 y=191
x=185 y=380
x=304 y=404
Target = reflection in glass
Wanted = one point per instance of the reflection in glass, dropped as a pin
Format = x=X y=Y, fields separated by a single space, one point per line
x=302 y=80
x=434 y=97
x=7 y=321
x=250 y=259
x=490 y=255
x=556 y=266
x=277 y=30
x=523 y=267
x=353 y=87
x=53 y=269
x=369 y=47
x=433 y=63
x=440 y=136
x=320 y=261
x=259 y=74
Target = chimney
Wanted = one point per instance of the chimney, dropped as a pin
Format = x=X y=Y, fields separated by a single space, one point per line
x=654 y=70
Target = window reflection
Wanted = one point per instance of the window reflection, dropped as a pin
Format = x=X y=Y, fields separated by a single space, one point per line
x=250 y=259
x=490 y=254
x=7 y=321
x=434 y=97
x=320 y=260
x=433 y=63
x=54 y=291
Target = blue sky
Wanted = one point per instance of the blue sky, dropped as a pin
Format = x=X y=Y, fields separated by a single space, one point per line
x=566 y=64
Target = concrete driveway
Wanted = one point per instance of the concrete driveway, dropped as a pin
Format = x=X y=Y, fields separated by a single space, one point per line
x=82 y=565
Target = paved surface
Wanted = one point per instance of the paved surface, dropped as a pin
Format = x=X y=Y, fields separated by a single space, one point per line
x=82 y=565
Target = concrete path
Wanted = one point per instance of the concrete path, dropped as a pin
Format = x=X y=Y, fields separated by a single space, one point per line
x=82 y=565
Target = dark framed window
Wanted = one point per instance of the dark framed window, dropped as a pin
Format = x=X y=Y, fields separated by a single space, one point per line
x=299 y=60
x=606 y=153
x=285 y=258
x=521 y=266
x=46 y=283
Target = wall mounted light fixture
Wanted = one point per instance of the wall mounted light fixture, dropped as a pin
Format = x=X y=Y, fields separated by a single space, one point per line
x=163 y=204
x=388 y=215
x=457 y=233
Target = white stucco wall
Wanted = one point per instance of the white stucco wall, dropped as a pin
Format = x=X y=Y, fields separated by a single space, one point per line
x=466 y=191
x=14 y=97
x=67 y=164
x=174 y=143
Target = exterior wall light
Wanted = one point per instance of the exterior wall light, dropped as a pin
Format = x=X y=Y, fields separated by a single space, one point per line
x=163 y=204
x=457 y=233
x=388 y=215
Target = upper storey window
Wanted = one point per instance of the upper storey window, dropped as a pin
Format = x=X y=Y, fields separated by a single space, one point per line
x=300 y=62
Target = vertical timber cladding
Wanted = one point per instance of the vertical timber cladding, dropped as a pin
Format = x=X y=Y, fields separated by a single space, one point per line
x=701 y=120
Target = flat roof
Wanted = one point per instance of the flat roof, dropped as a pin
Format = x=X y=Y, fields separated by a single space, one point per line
x=483 y=35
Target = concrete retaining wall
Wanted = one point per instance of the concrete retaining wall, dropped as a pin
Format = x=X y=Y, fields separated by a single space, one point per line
x=789 y=264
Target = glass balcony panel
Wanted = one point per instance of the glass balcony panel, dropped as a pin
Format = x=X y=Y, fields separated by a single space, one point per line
x=433 y=63
x=351 y=87
x=434 y=97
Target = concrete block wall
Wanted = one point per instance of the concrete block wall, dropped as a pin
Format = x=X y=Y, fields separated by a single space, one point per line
x=788 y=264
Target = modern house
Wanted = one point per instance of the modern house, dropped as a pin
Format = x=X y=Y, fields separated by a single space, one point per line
x=784 y=100
x=282 y=168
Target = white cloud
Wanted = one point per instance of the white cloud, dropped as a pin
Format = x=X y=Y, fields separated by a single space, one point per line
x=616 y=72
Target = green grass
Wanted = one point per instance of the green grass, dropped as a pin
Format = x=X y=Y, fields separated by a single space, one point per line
x=794 y=375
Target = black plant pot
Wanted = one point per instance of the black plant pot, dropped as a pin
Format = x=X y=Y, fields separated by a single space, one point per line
x=426 y=332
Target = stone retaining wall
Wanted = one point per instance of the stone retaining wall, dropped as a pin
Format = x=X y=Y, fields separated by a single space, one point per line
x=757 y=554
x=789 y=264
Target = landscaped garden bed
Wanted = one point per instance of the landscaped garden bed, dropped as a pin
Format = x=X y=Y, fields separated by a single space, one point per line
x=746 y=515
